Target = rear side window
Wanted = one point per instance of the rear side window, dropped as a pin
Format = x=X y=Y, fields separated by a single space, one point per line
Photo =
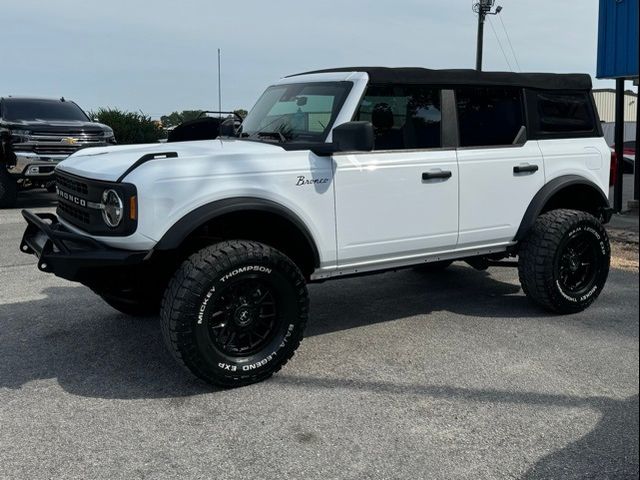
x=489 y=116
x=403 y=116
x=564 y=113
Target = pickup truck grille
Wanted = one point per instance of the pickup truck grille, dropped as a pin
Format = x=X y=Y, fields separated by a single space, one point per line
x=56 y=143
x=54 y=149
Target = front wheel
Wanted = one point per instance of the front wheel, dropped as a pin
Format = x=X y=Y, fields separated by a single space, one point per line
x=234 y=313
x=564 y=261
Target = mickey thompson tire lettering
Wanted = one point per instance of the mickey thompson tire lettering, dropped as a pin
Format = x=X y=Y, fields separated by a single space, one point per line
x=199 y=283
x=539 y=257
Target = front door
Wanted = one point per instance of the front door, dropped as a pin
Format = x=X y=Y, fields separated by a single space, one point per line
x=400 y=201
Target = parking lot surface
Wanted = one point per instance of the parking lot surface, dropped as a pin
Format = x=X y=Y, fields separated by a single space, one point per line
x=401 y=375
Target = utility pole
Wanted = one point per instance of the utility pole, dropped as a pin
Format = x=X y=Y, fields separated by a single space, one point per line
x=219 y=86
x=482 y=8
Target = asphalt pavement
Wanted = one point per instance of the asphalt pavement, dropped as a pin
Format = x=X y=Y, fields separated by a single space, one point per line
x=402 y=375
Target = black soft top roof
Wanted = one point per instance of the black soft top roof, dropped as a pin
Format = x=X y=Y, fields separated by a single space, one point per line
x=545 y=81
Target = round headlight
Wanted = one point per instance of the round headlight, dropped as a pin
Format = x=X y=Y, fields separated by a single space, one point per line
x=112 y=211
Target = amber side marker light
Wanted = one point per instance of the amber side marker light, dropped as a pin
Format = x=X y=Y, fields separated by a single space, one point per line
x=133 y=208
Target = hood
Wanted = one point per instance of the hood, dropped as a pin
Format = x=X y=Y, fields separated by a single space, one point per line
x=58 y=126
x=109 y=163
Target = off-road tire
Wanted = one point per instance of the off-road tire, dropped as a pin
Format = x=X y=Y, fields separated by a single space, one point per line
x=192 y=311
x=134 y=307
x=434 y=267
x=547 y=250
x=8 y=189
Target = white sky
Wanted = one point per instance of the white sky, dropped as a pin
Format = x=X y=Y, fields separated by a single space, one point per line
x=158 y=55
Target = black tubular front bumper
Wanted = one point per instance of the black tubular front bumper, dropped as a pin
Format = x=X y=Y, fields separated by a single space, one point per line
x=69 y=255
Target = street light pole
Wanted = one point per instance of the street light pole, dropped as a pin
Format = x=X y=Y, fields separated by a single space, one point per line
x=482 y=8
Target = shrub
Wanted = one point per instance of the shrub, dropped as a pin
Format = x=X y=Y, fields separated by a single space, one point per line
x=176 y=118
x=130 y=127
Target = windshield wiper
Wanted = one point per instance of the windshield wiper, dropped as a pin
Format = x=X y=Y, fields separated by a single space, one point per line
x=275 y=135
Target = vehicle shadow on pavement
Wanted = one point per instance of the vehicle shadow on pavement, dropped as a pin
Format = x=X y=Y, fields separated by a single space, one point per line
x=95 y=351
x=383 y=297
x=609 y=450
x=89 y=348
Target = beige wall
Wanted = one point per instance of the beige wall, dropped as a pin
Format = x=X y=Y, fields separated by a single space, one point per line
x=606 y=105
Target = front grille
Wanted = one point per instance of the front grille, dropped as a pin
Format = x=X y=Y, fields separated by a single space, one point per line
x=54 y=149
x=79 y=202
x=56 y=143
x=71 y=184
x=67 y=133
x=73 y=212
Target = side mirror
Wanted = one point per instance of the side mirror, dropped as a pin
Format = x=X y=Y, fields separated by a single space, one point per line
x=353 y=136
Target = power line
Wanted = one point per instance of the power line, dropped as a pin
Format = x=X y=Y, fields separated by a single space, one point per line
x=500 y=44
x=510 y=45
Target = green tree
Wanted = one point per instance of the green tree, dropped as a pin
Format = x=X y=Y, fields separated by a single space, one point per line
x=241 y=112
x=130 y=127
x=176 y=118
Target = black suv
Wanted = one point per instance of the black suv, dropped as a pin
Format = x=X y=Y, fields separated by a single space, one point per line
x=36 y=134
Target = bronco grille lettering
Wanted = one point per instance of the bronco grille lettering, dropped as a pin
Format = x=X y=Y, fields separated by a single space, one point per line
x=71 y=198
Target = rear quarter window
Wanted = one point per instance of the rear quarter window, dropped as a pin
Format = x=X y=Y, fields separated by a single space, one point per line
x=559 y=114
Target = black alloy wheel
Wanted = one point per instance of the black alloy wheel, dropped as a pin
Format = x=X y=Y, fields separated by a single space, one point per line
x=578 y=263
x=234 y=313
x=244 y=318
x=564 y=260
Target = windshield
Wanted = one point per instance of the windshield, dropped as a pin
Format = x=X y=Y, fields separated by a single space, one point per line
x=31 y=109
x=302 y=112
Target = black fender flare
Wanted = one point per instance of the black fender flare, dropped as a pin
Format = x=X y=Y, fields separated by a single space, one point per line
x=549 y=190
x=210 y=211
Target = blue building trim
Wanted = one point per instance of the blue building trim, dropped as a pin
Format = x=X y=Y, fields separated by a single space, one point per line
x=618 y=39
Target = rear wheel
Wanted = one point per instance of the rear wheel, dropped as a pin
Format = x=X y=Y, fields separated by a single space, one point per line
x=234 y=313
x=564 y=261
x=8 y=189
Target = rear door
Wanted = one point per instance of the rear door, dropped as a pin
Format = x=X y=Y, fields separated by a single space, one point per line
x=500 y=172
x=400 y=201
x=567 y=128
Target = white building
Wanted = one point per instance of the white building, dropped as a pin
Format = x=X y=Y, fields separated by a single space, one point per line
x=606 y=104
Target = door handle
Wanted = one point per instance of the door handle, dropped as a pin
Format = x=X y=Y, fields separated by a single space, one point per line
x=525 y=168
x=444 y=174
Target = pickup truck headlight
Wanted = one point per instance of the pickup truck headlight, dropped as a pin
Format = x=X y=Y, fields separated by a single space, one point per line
x=112 y=208
x=109 y=136
x=19 y=136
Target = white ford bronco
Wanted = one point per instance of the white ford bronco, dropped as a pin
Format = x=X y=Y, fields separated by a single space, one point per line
x=333 y=173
